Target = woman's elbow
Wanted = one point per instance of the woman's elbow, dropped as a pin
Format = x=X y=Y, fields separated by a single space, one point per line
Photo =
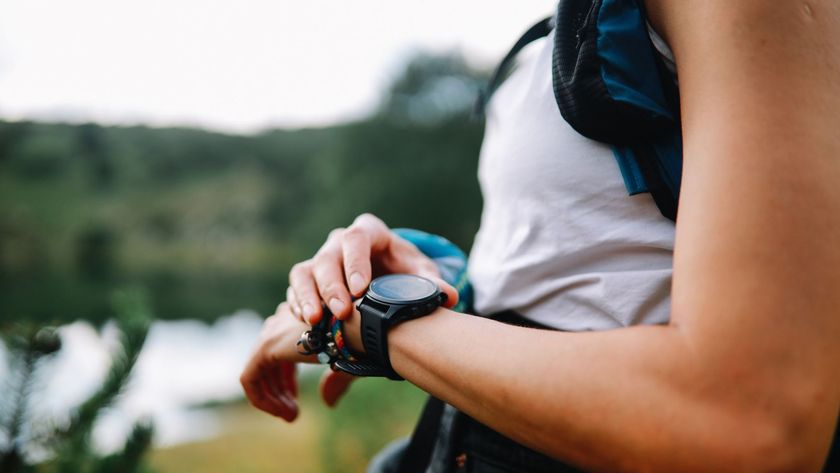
x=790 y=439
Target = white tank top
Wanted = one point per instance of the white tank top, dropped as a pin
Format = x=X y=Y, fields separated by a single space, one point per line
x=561 y=242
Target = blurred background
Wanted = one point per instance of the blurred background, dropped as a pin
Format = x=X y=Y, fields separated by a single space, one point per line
x=164 y=163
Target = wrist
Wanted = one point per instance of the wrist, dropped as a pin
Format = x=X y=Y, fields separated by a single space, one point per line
x=409 y=343
x=390 y=300
x=353 y=332
x=279 y=339
x=352 y=329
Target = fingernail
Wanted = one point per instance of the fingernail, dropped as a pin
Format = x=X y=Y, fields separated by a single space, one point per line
x=336 y=306
x=357 y=283
x=308 y=311
x=288 y=401
x=330 y=400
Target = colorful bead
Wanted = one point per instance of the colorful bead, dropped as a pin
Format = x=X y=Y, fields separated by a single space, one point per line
x=337 y=328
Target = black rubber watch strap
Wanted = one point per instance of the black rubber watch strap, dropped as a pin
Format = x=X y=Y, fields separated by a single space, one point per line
x=365 y=368
x=375 y=340
x=374 y=329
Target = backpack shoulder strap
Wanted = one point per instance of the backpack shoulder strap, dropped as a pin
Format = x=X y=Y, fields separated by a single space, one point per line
x=611 y=85
x=539 y=30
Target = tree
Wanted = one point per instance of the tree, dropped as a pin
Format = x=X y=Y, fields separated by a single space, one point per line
x=433 y=89
x=68 y=445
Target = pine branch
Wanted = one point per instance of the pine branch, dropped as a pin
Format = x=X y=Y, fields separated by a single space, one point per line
x=130 y=458
x=133 y=318
x=71 y=443
x=26 y=352
x=12 y=458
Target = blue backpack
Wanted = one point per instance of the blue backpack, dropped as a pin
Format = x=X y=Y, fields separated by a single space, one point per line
x=612 y=86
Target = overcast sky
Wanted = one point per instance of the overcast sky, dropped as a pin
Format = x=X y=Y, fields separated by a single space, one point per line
x=234 y=65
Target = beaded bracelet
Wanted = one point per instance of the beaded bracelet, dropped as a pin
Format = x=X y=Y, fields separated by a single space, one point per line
x=326 y=340
x=337 y=330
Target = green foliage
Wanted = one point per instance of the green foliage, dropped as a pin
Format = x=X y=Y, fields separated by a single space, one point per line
x=374 y=412
x=433 y=89
x=129 y=459
x=29 y=347
x=211 y=223
x=68 y=446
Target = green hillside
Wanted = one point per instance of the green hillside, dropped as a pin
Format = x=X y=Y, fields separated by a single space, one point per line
x=210 y=223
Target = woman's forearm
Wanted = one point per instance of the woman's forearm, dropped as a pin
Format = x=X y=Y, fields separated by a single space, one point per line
x=624 y=400
x=745 y=376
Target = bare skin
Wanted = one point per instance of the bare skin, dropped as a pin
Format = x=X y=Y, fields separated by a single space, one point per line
x=367 y=248
x=743 y=378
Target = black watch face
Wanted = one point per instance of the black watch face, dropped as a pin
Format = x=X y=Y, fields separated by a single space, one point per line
x=401 y=288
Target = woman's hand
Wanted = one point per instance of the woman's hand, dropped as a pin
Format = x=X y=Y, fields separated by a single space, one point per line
x=341 y=270
x=345 y=265
x=269 y=378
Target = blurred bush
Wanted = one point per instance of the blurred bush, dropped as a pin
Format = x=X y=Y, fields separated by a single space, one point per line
x=30 y=444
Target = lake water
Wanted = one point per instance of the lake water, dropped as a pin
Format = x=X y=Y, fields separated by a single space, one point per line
x=184 y=364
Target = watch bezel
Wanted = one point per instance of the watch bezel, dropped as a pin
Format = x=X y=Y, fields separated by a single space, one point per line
x=371 y=292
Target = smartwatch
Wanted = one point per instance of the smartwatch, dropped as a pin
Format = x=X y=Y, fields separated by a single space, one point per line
x=389 y=300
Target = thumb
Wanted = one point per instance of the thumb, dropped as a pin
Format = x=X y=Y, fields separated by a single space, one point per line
x=449 y=290
x=433 y=274
x=333 y=385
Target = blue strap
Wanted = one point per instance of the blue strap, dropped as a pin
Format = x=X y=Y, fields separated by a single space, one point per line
x=628 y=62
x=451 y=261
x=631 y=82
x=631 y=74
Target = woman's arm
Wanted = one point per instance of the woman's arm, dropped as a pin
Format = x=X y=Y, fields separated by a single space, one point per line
x=745 y=376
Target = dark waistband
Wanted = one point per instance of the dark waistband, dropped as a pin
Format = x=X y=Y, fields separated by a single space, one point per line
x=482 y=446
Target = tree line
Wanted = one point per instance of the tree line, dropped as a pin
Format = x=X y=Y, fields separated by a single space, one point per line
x=210 y=222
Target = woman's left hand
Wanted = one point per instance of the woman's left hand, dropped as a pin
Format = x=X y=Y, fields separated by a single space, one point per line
x=269 y=378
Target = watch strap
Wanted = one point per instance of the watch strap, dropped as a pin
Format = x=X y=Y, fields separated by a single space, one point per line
x=374 y=327
x=365 y=368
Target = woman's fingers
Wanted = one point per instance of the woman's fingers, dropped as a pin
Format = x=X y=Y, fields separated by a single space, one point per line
x=281 y=377
x=449 y=290
x=289 y=374
x=302 y=282
x=333 y=385
x=343 y=268
x=329 y=276
x=269 y=378
x=355 y=248
x=267 y=392
x=277 y=402
x=291 y=298
x=360 y=244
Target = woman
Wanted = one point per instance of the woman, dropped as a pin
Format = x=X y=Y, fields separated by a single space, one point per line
x=742 y=377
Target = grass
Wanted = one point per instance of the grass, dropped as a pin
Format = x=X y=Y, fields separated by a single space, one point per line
x=252 y=442
x=321 y=440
